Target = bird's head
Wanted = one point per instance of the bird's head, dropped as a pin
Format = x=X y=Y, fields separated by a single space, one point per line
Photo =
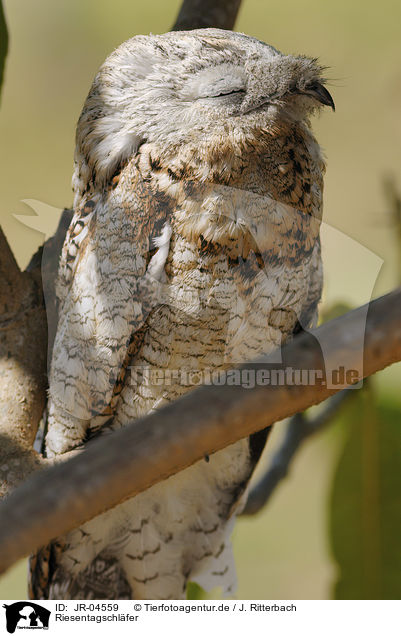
x=193 y=88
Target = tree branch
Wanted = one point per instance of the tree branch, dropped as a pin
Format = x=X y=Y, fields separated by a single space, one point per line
x=23 y=353
x=3 y=44
x=299 y=428
x=199 y=14
x=206 y=420
x=393 y=197
x=23 y=337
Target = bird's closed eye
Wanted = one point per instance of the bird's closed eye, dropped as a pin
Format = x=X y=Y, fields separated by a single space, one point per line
x=224 y=81
x=238 y=91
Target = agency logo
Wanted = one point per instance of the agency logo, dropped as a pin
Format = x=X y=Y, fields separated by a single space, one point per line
x=26 y=615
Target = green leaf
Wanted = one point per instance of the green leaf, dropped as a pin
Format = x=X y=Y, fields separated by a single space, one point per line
x=365 y=506
x=3 y=43
x=195 y=592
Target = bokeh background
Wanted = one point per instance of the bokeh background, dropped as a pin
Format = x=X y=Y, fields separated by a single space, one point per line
x=55 y=50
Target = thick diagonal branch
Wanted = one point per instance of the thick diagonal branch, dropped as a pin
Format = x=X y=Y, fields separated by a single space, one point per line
x=202 y=422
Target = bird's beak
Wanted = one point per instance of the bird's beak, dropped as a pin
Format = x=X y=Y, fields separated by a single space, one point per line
x=321 y=94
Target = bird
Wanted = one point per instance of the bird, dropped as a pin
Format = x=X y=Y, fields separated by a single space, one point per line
x=194 y=246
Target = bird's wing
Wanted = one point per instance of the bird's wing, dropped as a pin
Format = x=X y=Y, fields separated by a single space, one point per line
x=106 y=290
x=107 y=286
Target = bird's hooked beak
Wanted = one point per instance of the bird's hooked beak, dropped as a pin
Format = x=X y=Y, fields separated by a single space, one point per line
x=316 y=90
x=319 y=92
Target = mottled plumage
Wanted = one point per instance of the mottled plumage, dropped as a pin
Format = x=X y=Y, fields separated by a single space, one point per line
x=194 y=246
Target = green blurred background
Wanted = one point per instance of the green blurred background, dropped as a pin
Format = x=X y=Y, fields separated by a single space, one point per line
x=55 y=50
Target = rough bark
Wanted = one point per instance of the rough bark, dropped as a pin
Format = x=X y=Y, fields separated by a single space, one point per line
x=23 y=354
x=23 y=337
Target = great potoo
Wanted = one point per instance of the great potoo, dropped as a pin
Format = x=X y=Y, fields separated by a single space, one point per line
x=194 y=246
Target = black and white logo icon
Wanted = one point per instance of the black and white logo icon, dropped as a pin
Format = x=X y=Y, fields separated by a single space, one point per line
x=26 y=615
